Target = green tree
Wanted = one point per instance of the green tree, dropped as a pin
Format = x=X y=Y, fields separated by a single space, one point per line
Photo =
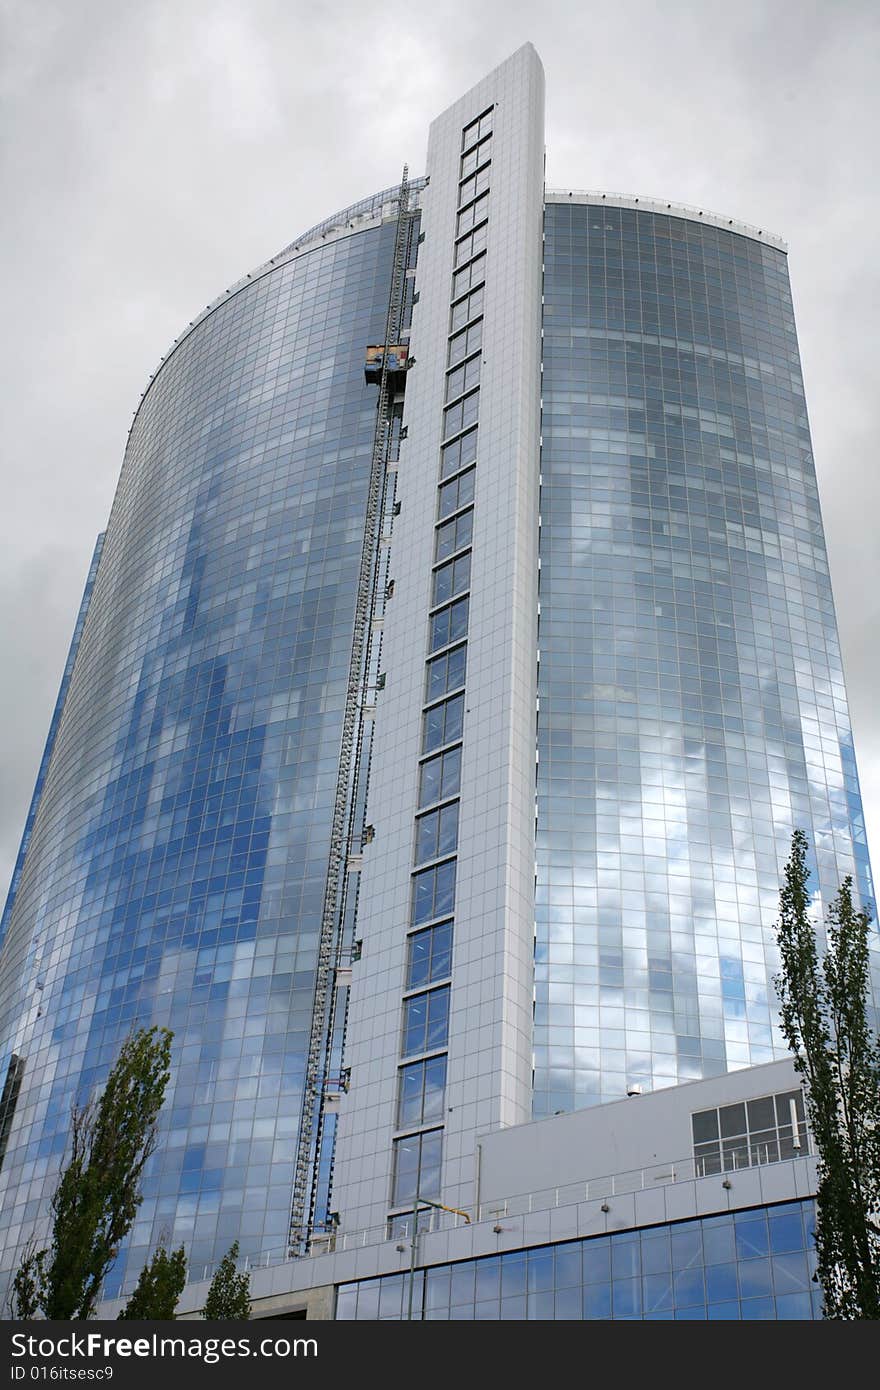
x=99 y=1191
x=824 y=1013
x=24 y=1294
x=159 y=1287
x=229 y=1296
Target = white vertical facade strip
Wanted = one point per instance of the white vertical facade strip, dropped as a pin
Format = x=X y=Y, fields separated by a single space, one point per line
x=490 y=1028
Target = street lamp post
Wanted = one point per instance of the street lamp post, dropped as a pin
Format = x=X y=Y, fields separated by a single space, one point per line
x=420 y=1201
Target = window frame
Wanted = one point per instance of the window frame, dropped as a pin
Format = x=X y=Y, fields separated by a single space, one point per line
x=440 y=954
x=435 y=661
x=439 y=1021
x=449 y=784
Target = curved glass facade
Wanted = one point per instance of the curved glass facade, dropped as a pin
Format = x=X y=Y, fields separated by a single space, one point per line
x=692 y=704
x=177 y=863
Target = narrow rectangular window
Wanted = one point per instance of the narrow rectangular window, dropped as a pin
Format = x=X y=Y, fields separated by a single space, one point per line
x=470 y=216
x=464 y=378
x=460 y=416
x=458 y=454
x=426 y=1021
x=478 y=129
x=433 y=892
x=466 y=309
x=440 y=777
x=437 y=833
x=457 y=493
x=471 y=245
x=464 y=344
x=445 y=673
x=442 y=724
x=448 y=625
x=417 y=1167
x=451 y=579
x=469 y=276
x=9 y=1100
x=477 y=186
x=430 y=955
x=454 y=535
x=476 y=157
x=420 y=1092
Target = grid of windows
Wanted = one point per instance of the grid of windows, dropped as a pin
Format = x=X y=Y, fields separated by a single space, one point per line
x=417 y=1157
x=692 y=706
x=749 y=1265
x=179 y=852
x=765 y=1130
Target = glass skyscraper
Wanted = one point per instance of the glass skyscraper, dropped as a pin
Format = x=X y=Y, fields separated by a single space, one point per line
x=457 y=662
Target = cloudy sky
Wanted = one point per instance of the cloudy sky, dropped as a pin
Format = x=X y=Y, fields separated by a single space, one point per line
x=152 y=152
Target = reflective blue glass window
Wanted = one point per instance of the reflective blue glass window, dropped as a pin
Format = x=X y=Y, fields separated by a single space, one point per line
x=445 y=673
x=459 y=492
x=420 y=1093
x=417 y=1167
x=440 y=777
x=436 y=833
x=426 y=1021
x=430 y=955
x=433 y=892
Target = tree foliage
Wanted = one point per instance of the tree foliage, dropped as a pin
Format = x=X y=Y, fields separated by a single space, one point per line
x=24 y=1294
x=159 y=1287
x=824 y=1013
x=229 y=1296
x=99 y=1191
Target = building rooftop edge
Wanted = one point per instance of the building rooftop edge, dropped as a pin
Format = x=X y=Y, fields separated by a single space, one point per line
x=629 y=200
x=364 y=213
x=356 y=217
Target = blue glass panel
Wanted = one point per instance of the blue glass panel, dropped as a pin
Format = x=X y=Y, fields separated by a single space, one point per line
x=179 y=852
x=570 y=1280
x=689 y=653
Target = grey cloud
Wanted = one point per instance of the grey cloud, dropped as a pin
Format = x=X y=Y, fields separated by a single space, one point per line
x=154 y=152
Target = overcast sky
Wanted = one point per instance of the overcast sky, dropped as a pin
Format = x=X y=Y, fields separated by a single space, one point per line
x=152 y=152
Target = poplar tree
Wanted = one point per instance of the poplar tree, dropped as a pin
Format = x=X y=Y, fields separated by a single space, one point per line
x=99 y=1190
x=229 y=1297
x=159 y=1287
x=824 y=1014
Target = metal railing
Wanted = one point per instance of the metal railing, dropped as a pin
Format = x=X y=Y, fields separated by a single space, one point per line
x=602 y=1188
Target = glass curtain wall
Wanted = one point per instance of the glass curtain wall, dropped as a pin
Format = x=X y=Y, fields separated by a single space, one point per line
x=176 y=867
x=692 y=704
